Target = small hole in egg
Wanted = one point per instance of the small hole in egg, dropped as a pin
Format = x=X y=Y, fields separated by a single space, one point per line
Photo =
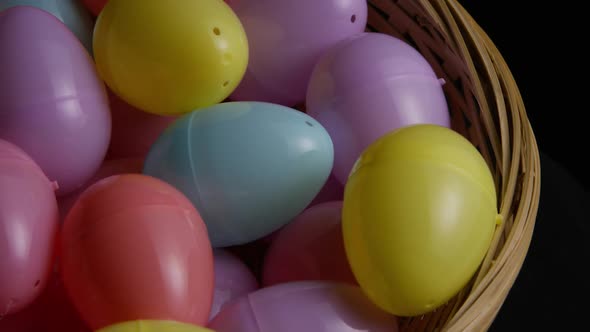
x=216 y=31
x=226 y=83
x=353 y=18
x=37 y=283
x=309 y=123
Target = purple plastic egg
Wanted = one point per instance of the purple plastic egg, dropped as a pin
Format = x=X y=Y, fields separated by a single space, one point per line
x=286 y=38
x=311 y=247
x=52 y=103
x=304 y=306
x=28 y=228
x=233 y=279
x=367 y=86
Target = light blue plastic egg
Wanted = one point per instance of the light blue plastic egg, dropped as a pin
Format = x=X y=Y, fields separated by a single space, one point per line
x=248 y=167
x=71 y=12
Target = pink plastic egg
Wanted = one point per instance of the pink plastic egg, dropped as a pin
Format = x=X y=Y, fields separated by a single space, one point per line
x=108 y=168
x=309 y=306
x=332 y=190
x=311 y=247
x=232 y=280
x=286 y=38
x=133 y=131
x=368 y=86
x=51 y=312
x=52 y=103
x=133 y=247
x=28 y=228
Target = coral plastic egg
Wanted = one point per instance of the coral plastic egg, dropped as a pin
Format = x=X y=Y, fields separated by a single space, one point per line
x=310 y=247
x=419 y=214
x=70 y=12
x=367 y=86
x=108 y=168
x=28 y=228
x=133 y=247
x=286 y=38
x=248 y=167
x=304 y=306
x=170 y=57
x=52 y=103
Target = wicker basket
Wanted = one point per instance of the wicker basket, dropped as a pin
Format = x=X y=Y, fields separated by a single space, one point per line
x=487 y=108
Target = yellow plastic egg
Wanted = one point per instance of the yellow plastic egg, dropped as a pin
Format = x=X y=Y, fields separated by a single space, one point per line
x=170 y=57
x=153 y=326
x=420 y=210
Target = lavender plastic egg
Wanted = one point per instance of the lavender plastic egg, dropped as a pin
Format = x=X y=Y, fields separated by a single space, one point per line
x=304 y=306
x=233 y=279
x=286 y=38
x=71 y=12
x=52 y=103
x=367 y=86
x=28 y=228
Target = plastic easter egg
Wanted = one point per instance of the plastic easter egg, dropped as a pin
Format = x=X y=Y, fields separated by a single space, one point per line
x=170 y=57
x=52 y=311
x=28 y=227
x=248 y=167
x=133 y=131
x=419 y=213
x=95 y=6
x=287 y=37
x=70 y=12
x=134 y=247
x=304 y=306
x=310 y=247
x=107 y=169
x=233 y=279
x=370 y=85
x=52 y=102
x=153 y=326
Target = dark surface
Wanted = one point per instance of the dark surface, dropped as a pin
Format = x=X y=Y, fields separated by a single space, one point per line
x=541 y=45
x=552 y=291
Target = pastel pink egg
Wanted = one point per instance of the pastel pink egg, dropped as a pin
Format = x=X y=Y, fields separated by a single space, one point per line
x=311 y=247
x=51 y=312
x=28 y=228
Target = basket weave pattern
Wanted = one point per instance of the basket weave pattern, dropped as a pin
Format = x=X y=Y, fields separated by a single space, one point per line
x=487 y=108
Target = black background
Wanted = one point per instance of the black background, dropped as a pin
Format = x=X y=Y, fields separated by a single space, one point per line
x=543 y=48
x=542 y=45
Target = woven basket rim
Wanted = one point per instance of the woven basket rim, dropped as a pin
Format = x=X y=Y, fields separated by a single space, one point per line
x=493 y=117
